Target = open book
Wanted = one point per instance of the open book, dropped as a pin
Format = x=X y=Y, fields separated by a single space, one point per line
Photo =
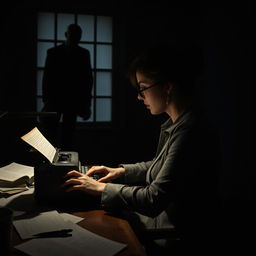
x=15 y=178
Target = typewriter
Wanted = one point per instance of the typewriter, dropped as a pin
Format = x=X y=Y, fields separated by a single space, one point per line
x=49 y=177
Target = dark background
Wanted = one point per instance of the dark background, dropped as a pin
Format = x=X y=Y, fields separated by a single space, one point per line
x=226 y=35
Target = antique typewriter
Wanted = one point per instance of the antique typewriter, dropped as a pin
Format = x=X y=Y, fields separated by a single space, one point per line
x=49 y=177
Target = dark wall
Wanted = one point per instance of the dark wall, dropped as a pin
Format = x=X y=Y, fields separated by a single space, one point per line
x=226 y=37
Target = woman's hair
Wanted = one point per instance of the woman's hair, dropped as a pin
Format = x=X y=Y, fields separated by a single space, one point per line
x=180 y=65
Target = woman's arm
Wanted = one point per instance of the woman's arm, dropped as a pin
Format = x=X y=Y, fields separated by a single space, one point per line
x=136 y=173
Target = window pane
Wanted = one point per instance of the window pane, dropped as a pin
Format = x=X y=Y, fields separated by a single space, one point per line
x=45 y=26
x=104 y=56
x=103 y=110
x=39 y=104
x=41 y=52
x=39 y=82
x=62 y=23
x=104 y=82
x=91 y=50
x=87 y=25
x=104 y=29
x=93 y=85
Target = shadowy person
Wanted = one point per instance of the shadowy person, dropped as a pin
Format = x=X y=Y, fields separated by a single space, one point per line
x=67 y=85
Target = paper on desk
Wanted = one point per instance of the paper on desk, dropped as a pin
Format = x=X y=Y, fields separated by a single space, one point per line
x=43 y=222
x=13 y=190
x=82 y=242
x=6 y=202
x=39 y=222
x=20 y=203
x=3 y=202
x=14 y=202
x=70 y=217
x=36 y=139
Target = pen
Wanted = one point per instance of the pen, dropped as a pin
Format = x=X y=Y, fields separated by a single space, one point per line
x=57 y=233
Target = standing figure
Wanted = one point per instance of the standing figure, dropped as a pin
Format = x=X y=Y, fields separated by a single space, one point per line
x=67 y=86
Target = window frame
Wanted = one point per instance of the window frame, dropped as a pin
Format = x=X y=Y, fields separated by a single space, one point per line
x=90 y=123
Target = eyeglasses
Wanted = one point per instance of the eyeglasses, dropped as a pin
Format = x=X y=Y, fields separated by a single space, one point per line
x=141 y=90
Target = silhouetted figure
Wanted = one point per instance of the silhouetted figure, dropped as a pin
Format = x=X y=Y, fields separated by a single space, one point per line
x=67 y=85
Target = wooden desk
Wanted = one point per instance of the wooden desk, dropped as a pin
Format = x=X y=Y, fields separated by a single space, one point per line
x=106 y=225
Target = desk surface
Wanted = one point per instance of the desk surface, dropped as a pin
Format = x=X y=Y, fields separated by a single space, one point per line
x=98 y=221
x=106 y=225
x=111 y=227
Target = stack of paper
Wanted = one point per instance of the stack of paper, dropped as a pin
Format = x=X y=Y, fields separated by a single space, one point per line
x=15 y=178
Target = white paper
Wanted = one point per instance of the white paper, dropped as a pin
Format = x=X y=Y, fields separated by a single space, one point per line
x=82 y=242
x=12 y=201
x=39 y=223
x=36 y=139
x=12 y=198
x=13 y=190
x=6 y=202
x=3 y=202
x=21 y=187
x=70 y=217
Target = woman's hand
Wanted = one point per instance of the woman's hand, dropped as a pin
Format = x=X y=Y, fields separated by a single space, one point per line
x=108 y=173
x=78 y=181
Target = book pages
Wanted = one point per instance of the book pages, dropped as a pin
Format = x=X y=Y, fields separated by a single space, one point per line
x=15 y=178
x=15 y=171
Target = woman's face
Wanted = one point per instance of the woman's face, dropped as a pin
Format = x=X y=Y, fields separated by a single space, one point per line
x=154 y=98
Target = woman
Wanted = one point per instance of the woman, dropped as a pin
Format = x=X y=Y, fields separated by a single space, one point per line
x=178 y=187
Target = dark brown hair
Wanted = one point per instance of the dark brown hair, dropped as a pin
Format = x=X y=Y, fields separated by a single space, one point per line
x=180 y=65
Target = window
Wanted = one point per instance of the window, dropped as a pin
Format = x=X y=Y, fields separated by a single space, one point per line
x=97 y=38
